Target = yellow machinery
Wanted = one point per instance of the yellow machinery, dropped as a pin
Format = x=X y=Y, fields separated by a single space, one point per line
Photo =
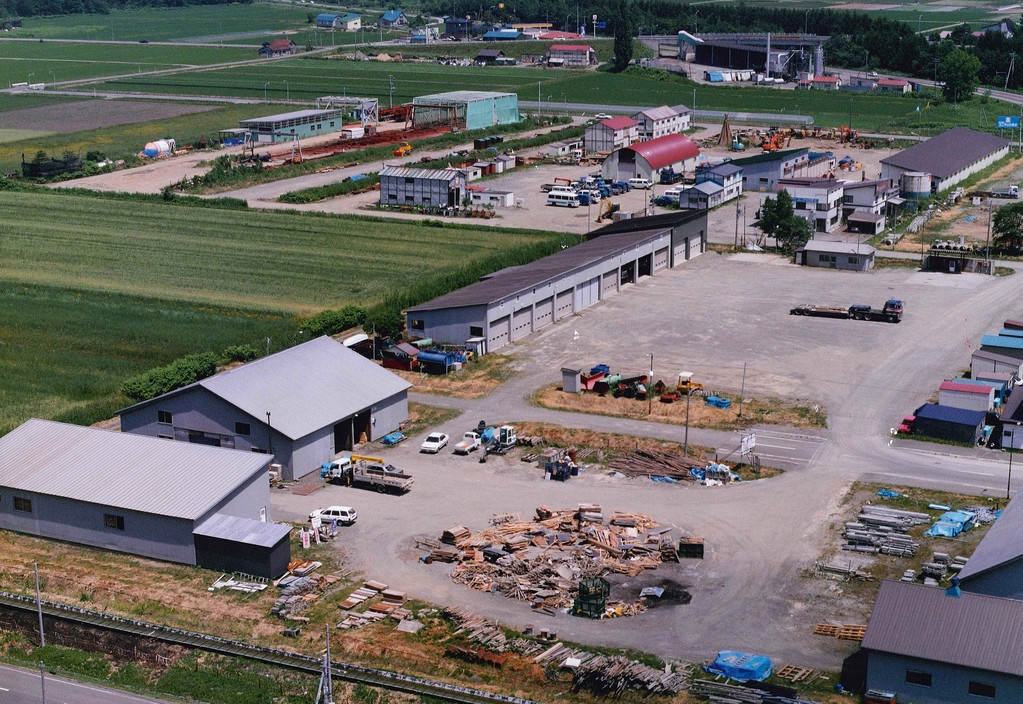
x=403 y=149
x=607 y=209
x=688 y=387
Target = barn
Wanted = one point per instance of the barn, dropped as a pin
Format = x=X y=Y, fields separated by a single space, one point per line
x=191 y=504
x=303 y=406
x=510 y=304
x=469 y=109
x=291 y=125
x=646 y=159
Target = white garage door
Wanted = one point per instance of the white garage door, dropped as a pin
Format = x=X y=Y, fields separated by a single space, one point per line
x=610 y=284
x=697 y=247
x=660 y=259
x=500 y=331
x=680 y=251
x=563 y=304
x=522 y=323
x=587 y=293
x=544 y=313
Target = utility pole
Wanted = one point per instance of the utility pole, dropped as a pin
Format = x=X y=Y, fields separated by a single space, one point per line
x=326 y=693
x=742 y=389
x=987 y=245
x=650 y=388
x=686 y=443
x=39 y=609
x=390 y=91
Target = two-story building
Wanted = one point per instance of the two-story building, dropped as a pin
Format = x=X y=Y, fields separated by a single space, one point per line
x=610 y=134
x=866 y=205
x=762 y=172
x=818 y=200
x=714 y=185
x=571 y=55
x=393 y=18
x=657 y=122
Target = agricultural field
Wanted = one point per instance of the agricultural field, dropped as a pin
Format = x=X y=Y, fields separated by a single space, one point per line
x=42 y=62
x=115 y=286
x=922 y=16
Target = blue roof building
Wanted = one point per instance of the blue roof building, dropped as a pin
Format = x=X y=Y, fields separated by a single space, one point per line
x=502 y=35
x=948 y=423
x=393 y=18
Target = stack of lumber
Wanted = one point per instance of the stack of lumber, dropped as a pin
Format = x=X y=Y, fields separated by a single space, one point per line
x=459 y=536
x=734 y=694
x=606 y=676
x=860 y=537
x=650 y=463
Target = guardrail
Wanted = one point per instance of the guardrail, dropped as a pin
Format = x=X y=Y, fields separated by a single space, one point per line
x=343 y=671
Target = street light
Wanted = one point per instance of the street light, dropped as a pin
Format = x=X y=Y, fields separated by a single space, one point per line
x=265 y=86
x=287 y=93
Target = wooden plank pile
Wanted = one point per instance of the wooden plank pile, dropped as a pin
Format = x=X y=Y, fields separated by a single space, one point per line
x=651 y=463
x=541 y=561
x=845 y=571
x=797 y=674
x=735 y=694
x=611 y=676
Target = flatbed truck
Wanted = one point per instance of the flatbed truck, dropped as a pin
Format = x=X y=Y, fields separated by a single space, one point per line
x=891 y=312
x=368 y=473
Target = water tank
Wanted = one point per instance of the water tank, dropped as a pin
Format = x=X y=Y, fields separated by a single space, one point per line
x=161 y=147
x=915 y=184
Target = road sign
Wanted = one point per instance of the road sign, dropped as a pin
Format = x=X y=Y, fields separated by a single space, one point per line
x=1008 y=122
x=601 y=25
x=748 y=444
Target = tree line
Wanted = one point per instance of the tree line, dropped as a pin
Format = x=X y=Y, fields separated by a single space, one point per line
x=36 y=8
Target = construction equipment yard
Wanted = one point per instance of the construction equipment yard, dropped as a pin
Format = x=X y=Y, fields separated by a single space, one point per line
x=763 y=538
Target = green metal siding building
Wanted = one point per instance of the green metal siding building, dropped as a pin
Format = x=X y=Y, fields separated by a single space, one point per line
x=287 y=126
x=468 y=109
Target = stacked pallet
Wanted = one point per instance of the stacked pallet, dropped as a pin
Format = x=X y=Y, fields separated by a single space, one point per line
x=734 y=694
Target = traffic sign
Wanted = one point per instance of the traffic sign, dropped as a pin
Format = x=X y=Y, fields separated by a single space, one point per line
x=601 y=25
x=1008 y=122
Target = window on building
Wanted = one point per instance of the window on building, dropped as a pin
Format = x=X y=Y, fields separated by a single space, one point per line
x=164 y=417
x=417 y=324
x=165 y=437
x=920 y=678
x=475 y=331
x=113 y=522
x=260 y=450
x=847 y=199
x=409 y=181
x=242 y=429
x=982 y=689
x=22 y=504
x=854 y=260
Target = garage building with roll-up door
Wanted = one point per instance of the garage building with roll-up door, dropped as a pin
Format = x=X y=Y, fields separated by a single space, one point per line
x=510 y=304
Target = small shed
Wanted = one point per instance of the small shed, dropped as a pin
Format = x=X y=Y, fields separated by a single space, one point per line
x=493 y=199
x=971 y=397
x=867 y=223
x=984 y=361
x=570 y=380
x=850 y=256
x=401 y=356
x=948 y=423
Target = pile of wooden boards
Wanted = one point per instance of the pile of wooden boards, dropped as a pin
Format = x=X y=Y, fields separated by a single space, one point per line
x=651 y=463
x=605 y=675
x=749 y=694
x=845 y=631
x=390 y=604
x=541 y=561
x=879 y=529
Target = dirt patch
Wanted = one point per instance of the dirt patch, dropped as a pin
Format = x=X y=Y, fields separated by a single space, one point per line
x=700 y=413
x=630 y=589
x=475 y=380
x=79 y=115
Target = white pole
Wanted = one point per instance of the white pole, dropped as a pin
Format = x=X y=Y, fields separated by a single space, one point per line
x=39 y=609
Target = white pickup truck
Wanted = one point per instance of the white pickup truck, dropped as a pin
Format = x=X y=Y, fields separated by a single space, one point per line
x=469 y=442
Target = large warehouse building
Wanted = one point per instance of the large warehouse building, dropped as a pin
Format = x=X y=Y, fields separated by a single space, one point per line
x=290 y=125
x=949 y=158
x=512 y=303
x=171 y=501
x=303 y=406
x=468 y=109
x=402 y=185
x=647 y=159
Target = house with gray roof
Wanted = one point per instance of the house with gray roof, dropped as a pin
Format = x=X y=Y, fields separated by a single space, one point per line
x=950 y=157
x=851 y=256
x=303 y=405
x=932 y=646
x=996 y=566
x=657 y=122
x=509 y=304
x=192 y=504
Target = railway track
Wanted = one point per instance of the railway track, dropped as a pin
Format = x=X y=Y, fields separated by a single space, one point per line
x=373 y=677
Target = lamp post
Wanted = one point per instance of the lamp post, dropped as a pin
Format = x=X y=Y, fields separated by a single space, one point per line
x=265 y=86
x=269 y=434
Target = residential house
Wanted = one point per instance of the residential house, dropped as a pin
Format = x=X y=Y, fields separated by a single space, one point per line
x=349 y=22
x=488 y=56
x=610 y=134
x=278 y=47
x=571 y=55
x=893 y=85
x=818 y=200
x=393 y=18
x=714 y=185
x=658 y=122
x=850 y=256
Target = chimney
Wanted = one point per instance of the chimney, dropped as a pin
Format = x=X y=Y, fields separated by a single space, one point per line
x=954 y=590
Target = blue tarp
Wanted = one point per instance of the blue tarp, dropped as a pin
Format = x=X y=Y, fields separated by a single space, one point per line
x=445 y=358
x=718 y=402
x=393 y=438
x=951 y=524
x=888 y=493
x=741 y=667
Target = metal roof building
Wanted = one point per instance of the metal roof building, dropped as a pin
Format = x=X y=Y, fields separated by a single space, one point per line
x=470 y=109
x=948 y=423
x=512 y=303
x=996 y=566
x=647 y=159
x=291 y=125
x=133 y=494
x=836 y=255
x=303 y=405
x=949 y=158
x=401 y=185
x=930 y=647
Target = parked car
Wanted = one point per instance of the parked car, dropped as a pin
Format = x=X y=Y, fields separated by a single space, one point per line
x=345 y=515
x=602 y=116
x=434 y=443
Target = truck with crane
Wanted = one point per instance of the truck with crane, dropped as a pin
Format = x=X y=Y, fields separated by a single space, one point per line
x=368 y=473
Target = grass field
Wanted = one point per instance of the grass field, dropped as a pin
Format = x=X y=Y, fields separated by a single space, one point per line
x=42 y=62
x=924 y=16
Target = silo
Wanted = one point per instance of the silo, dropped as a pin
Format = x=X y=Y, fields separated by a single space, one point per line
x=915 y=184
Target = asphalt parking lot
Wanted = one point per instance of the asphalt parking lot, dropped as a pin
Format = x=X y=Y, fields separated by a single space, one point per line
x=709 y=316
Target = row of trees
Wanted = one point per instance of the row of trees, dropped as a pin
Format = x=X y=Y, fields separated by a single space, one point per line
x=36 y=8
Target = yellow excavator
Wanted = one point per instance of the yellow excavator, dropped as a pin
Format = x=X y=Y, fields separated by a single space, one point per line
x=607 y=209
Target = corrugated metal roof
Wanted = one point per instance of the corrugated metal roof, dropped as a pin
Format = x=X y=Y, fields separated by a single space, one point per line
x=392 y=15
x=430 y=174
x=948 y=414
x=667 y=150
x=811 y=182
x=894 y=82
x=1011 y=409
x=965 y=388
x=864 y=216
x=724 y=169
x=571 y=47
x=460 y=96
x=837 y=247
x=121 y=470
x=1008 y=342
x=243 y=530
x=973 y=630
x=825 y=79
x=1010 y=332
x=1002 y=544
x=980 y=382
x=947 y=153
x=296 y=115
x=770 y=156
x=326 y=16
x=995 y=357
x=661 y=113
x=619 y=123
x=508 y=282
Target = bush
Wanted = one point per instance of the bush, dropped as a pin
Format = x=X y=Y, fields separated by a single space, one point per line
x=331 y=322
x=180 y=372
x=239 y=353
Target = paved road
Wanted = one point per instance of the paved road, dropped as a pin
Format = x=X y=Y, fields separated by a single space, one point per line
x=21 y=686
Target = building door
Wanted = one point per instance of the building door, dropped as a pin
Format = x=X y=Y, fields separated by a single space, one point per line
x=629 y=273
x=499 y=334
x=522 y=323
x=544 y=313
x=645 y=265
x=361 y=426
x=610 y=283
x=660 y=259
x=343 y=436
x=563 y=304
x=587 y=293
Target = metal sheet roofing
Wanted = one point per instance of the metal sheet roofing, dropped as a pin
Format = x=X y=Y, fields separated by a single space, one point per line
x=459 y=96
x=965 y=388
x=1009 y=341
x=948 y=414
x=619 y=123
x=1002 y=544
x=661 y=113
x=243 y=530
x=121 y=470
x=995 y=357
x=726 y=168
x=305 y=388
x=1011 y=411
x=392 y=15
x=508 y=282
x=1010 y=332
x=973 y=630
x=947 y=153
x=667 y=150
x=864 y=216
x=296 y=115
x=770 y=156
x=429 y=174
x=893 y=82
x=837 y=247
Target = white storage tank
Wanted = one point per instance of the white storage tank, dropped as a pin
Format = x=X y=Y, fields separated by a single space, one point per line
x=915 y=184
x=159 y=148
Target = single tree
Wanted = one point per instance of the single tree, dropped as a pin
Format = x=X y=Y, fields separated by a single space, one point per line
x=960 y=70
x=793 y=233
x=1007 y=227
x=623 y=37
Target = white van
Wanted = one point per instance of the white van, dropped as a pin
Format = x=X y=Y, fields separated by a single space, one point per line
x=674 y=193
x=560 y=198
x=643 y=183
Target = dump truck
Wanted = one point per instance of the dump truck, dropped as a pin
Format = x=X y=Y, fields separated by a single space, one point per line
x=891 y=312
x=1007 y=192
x=469 y=442
x=368 y=473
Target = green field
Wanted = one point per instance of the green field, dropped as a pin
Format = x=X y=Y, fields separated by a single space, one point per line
x=923 y=17
x=46 y=62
